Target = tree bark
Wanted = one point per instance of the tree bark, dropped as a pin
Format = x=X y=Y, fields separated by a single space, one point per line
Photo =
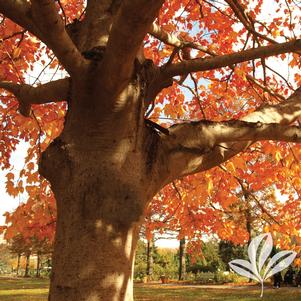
x=95 y=240
x=101 y=173
x=97 y=231
x=182 y=259
x=93 y=266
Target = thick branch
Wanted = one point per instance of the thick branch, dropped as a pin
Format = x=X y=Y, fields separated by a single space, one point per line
x=190 y=151
x=96 y=8
x=27 y=95
x=206 y=134
x=176 y=42
x=284 y=113
x=211 y=63
x=128 y=31
x=52 y=26
x=19 y=12
x=94 y=29
x=173 y=40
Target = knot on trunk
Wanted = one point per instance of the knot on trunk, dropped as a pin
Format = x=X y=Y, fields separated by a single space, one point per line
x=56 y=164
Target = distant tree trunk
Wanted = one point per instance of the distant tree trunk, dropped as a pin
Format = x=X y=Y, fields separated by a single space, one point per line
x=249 y=226
x=150 y=259
x=18 y=263
x=26 y=274
x=182 y=259
x=38 y=265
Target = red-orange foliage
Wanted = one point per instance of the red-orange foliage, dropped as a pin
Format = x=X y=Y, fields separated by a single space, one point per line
x=212 y=202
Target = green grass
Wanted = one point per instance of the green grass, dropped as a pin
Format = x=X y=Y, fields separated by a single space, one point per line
x=36 y=290
x=23 y=289
x=151 y=293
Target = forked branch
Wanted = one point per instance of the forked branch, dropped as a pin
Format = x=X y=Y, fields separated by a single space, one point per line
x=19 y=12
x=130 y=26
x=51 y=25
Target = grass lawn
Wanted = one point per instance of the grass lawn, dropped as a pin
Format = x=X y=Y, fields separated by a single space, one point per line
x=218 y=293
x=36 y=290
x=27 y=289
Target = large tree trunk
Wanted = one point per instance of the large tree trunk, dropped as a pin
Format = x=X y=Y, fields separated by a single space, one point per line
x=93 y=263
x=101 y=176
x=97 y=231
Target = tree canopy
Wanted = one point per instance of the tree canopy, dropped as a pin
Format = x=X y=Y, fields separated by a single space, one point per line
x=203 y=94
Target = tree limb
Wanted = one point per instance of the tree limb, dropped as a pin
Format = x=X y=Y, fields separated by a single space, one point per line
x=96 y=8
x=94 y=29
x=129 y=28
x=19 y=11
x=52 y=26
x=244 y=19
x=206 y=134
x=27 y=95
x=220 y=61
x=264 y=88
x=172 y=40
x=192 y=150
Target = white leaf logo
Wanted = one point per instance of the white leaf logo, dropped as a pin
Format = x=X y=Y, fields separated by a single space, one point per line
x=254 y=268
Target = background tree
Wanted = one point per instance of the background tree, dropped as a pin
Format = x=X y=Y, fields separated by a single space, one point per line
x=140 y=268
x=27 y=262
x=209 y=258
x=30 y=231
x=111 y=154
x=149 y=257
x=20 y=247
x=228 y=251
x=6 y=259
x=235 y=210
